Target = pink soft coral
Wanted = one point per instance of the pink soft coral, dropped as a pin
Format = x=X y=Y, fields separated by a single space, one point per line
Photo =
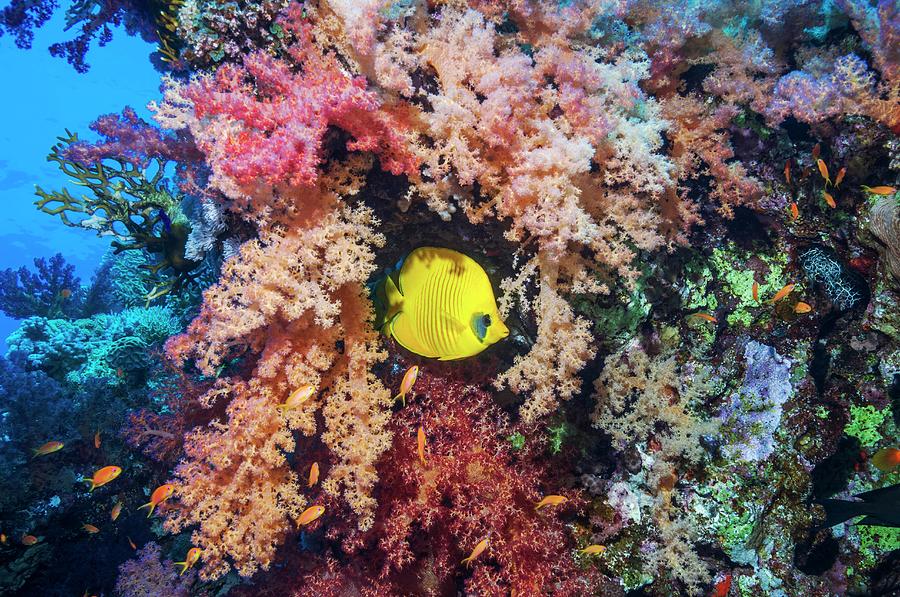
x=265 y=120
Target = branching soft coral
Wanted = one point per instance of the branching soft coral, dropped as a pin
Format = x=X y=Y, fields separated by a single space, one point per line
x=264 y=121
x=644 y=403
x=236 y=483
x=471 y=486
x=288 y=299
x=549 y=371
x=700 y=145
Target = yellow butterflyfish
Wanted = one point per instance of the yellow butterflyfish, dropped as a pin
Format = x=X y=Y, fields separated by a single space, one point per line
x=442 y=305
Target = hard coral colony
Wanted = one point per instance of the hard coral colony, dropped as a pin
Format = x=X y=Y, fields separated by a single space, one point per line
x=687 y=213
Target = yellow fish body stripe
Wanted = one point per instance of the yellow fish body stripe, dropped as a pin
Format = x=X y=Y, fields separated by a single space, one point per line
x=441 y=296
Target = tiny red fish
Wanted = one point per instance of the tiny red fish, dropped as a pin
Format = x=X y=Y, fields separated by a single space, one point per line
x=409 y=379
x=594 y=549
x=795 y=211
x=420 y=443
x=817 y=149
x=192 y=557
x=313 y=474
x=298 y=397
x=755 y=291
x=551 y=500
x=886 y=459
x=29 y=539
x=311 y=514
x=131 y=543
x=840 y=177
x=882 y=190
x=65 y=293
x=97 y=440
x=787 y=171
x=90 y=528
x=782 y=293
x=823 y=170
x=477 y=551
x=159 y=495
x=829 y=199
x=705 y=316
x=48 y=448
x=116 y=510
x=103 y=476
x=802 y=307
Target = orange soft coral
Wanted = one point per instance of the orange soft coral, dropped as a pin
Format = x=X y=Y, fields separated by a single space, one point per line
x=284 y=303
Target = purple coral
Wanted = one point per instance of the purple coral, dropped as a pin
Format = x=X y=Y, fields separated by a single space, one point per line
x=130 y=138
x=754 y=411
x=148 y=575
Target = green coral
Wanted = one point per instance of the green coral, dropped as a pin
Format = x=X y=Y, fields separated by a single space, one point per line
x=875 y=541
x=516 y=440
x=556 y=435
x=730 y=268
x=127 y=205
x=865 y=422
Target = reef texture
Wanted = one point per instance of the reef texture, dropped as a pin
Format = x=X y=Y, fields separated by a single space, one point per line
x=688 y=210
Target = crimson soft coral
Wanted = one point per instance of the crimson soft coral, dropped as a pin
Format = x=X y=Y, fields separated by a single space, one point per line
x=472 y=486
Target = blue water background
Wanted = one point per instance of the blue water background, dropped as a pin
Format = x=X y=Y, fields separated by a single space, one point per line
x=44 y=96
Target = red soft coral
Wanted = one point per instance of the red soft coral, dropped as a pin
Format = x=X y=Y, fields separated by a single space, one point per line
x=472 y=486
x=265 y=120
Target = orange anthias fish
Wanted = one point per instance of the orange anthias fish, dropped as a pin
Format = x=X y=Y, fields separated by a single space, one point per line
x=131 y=543
x=420 y=442
x=116 y=510
x=4 y=539
x=840 y=177
x=409 y=379
x=551 y=500
x=886 y=459
x=592 y=550
x=787 y=171
x=159 y=495
x=90 y=528
x=103 y=476
x=829 y=199
x=479 y=549
x=722 y=587
x=817 y=149
x=782 y=293
x=311 y=514
x=705 y=316
x=29 y=539
x=97 y=440
x=297 y=398
x=192 y=557
x=823 y=170
x=795 y=211
x=313 y=474
x=882 y=190
x=65 y=293
x=48 y=448
x=755 y=290
x=802 y=307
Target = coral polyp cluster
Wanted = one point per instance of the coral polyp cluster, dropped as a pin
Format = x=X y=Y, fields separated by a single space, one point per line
x=687 y=211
